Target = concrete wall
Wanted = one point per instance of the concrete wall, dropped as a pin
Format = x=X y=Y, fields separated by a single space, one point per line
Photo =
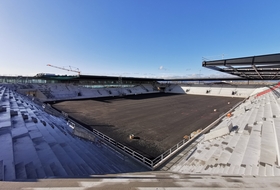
x=212 y=90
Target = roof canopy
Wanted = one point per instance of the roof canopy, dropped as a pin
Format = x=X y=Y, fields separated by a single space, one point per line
x=262 y=67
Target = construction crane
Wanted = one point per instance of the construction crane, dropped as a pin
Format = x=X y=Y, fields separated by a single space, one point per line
x=62 y=68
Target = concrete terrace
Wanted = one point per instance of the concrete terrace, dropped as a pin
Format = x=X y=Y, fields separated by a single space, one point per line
x=36 y=145
x=224 y=90
x=245 y=144
x=62 y=91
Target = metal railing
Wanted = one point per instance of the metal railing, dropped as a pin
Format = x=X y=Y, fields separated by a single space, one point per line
x=116 y=144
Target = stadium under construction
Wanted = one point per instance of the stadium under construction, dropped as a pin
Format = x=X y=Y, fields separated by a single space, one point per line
x=83 y=132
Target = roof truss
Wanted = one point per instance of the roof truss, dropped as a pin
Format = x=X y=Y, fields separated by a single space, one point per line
x=262 y=67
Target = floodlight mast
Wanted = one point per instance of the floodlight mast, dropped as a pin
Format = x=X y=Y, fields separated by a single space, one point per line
x=62 y=68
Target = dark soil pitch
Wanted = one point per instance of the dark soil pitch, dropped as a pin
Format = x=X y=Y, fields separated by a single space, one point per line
x=159 y=121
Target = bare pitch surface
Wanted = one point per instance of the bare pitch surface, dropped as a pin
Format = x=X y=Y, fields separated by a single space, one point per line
x=159 y=121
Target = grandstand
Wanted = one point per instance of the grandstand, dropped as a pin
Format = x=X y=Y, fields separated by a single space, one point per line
x=245 y=144
x=238 y=148
x=35 y=144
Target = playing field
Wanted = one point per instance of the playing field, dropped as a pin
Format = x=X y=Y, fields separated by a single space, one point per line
x=159 y=121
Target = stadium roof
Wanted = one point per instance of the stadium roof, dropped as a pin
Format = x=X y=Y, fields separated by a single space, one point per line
x=262 y=67
x=94 y=77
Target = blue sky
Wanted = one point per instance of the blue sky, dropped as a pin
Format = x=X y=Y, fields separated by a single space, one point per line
x=140 y=38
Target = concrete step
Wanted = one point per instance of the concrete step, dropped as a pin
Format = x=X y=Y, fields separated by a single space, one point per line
x=20 y=171
x=93 y=158
x=66 y=161
x=31 y=171
x=48 y=158
x=7 y=153
x=1 y=170
x=58 y=170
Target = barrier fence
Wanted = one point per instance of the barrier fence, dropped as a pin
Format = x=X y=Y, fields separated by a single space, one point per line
x=116 y=144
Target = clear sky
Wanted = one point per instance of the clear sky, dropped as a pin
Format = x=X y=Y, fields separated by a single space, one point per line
x=140 y=38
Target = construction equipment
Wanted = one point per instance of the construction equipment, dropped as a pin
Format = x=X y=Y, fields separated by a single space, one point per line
x=62 y=68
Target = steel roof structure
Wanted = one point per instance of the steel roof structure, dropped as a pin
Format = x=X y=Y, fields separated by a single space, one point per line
x=262 y=67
